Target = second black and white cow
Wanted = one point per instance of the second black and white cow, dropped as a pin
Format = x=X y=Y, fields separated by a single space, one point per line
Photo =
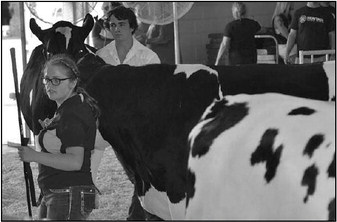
x=267 y=156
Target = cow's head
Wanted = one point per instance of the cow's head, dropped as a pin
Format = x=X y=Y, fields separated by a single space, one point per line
x=64 y=37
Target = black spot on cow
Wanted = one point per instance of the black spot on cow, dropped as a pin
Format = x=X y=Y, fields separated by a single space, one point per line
x=215 y=108
x=190 y=186
x=332 y=167
x=264 y=153
x=301 y=111
x=309 y=179
x=332 y=209
x=313 y=144
x=225 y=117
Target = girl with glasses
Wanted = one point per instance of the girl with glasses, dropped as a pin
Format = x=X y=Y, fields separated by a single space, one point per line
x=64 y=145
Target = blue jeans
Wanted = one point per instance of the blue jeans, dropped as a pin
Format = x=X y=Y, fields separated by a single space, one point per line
x=73 y=203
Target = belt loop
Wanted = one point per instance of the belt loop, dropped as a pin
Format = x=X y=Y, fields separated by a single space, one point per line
x=70 y=202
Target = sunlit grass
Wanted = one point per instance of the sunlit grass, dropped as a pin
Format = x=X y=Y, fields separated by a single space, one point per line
x=114 y=202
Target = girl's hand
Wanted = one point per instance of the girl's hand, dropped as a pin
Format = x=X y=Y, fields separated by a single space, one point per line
x=26 y=154
x=45 y=122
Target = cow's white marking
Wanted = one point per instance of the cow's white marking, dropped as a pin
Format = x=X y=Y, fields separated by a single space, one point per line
x=189 y=69
x=158 y=203
x=66 y=31
x=330 y=70
x=30 y=97
x=228 y=187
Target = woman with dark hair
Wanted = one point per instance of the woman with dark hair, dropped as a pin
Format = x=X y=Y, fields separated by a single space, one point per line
x=64 y=145
x=126 y=49
x=238 y=40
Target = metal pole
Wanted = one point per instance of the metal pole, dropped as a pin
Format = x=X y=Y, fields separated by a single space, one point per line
x=23 y=51
x=29 y=182
x=176 y=33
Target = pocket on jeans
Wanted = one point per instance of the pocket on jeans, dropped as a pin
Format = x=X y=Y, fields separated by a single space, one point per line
x=87 y=201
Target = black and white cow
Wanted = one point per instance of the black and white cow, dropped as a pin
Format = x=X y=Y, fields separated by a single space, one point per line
x=147 y=114
x=63 y=37
x=266 y=156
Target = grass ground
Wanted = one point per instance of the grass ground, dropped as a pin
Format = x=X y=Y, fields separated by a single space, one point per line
x=113 y=183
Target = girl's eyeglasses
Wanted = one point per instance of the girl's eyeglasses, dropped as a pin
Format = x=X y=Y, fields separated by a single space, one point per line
x=54 y=81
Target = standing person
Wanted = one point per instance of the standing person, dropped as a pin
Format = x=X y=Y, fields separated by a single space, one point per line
x=122 y=23
x=100 y=36
x=311 y=29
x=239 y=40
x=281 y=26
x=160 y=38
x=64 y=145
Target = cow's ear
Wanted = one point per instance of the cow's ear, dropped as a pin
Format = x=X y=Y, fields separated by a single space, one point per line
x=88 y=23
x=35 y=28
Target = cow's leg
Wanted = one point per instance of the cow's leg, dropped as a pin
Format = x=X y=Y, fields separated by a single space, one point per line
x=136 y=211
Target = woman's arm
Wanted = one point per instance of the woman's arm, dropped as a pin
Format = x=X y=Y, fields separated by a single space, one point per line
x=72 y=160
x=280 y=27
x=223 y=48
x=290 y=44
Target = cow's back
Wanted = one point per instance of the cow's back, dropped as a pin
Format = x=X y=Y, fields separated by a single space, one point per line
x=307 y=81
x=263 y=157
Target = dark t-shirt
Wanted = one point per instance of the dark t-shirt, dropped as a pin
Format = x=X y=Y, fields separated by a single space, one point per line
x=242 y=48
x=313 y=26
x=72 y=125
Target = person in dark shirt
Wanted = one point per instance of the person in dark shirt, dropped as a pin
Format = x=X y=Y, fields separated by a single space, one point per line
x=239 y=38
x=64 y=145
x=160 y=39
x=311 y=29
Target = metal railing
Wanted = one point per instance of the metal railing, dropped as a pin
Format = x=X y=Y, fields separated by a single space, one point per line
x=276 y=44
x=312 y=53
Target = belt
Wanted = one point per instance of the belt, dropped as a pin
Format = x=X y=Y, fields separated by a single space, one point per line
x=67 y=190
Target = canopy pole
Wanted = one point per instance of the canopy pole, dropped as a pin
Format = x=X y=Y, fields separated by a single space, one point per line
x=23 y=35
x=176 y=34
x=24 y=52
